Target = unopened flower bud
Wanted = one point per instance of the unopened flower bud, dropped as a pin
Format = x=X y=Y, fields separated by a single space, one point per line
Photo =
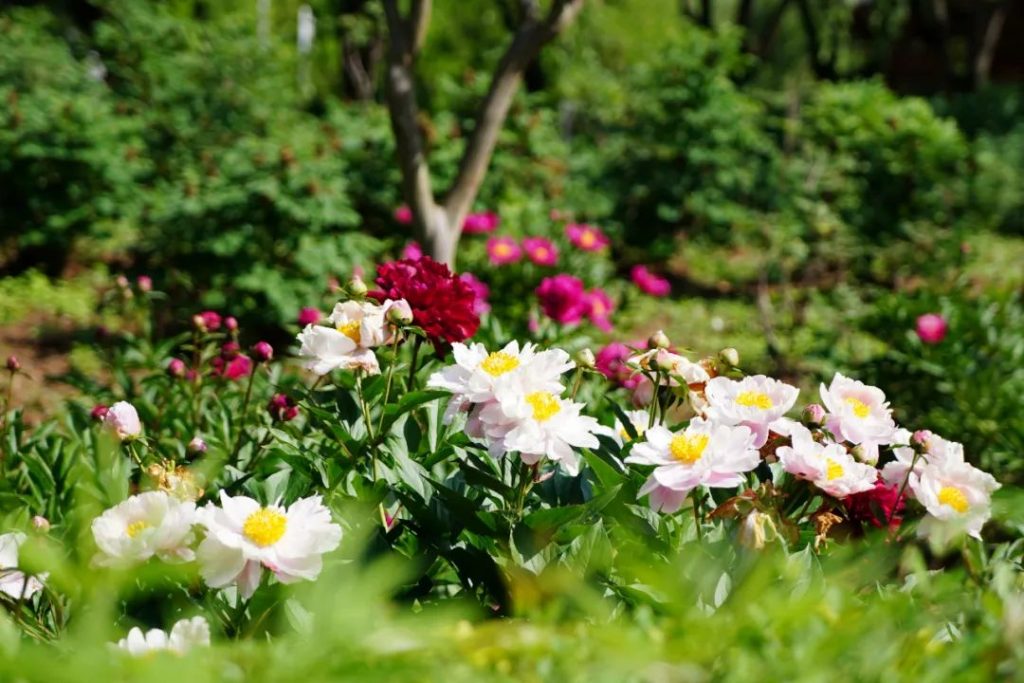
x=399 y=312
x=262 y=352
x=585 y=359
x=199 y=323
x=755 y=529
x=921 y=438
x=865 y=455
x=176 y=368
x=730 y=357
x=282 y=408
x=41 y=524
x=98 y=412
x=658 y=340
x=13 y=364
x=121 y=281
x=357 y=288
x=308 y=316
x=231 y=323
x=207 y=321
x=333 y=286
x=144 y=283
x=814 y=415
x=196 y=445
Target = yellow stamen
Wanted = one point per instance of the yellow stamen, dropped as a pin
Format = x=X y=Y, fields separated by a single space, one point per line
x=954 y=498
x=588 y=239
x=544 y=405
x=265 y=527
x=351 y=330
x=688 y=448
x=833 y=470
x=754 y=399
x=860 y=409
x=502 y=249
x=135 y=528
x=498 y=363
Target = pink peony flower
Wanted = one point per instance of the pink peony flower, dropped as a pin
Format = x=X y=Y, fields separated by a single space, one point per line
x=309 y=316
x=599 y=308
x=648 y=282
x=611 y=362
x=144 y=283
x=541 y=251
x=931 y=328
x=413 y=251
x=480 y=289
x=586 y=237
x=562 y=298
x=502 y=250
x=480 y=223
x=403 y=215
x=123 y=420
x=231 y=363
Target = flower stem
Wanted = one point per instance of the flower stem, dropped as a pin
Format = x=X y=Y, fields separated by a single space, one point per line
x=245 y=415
x=387 y=383
x=903 y=488
x=697 y=517
x=412 y=364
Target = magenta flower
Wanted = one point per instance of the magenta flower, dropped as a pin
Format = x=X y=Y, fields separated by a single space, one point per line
x=586 y=237
x=282 y=408
x=262 y=352
x=207 y=321
x=480 y=289
x=480 y=223
x=502 y=250
x=931 y=328
x=403 y=215
x=413 y=251
x=599 y=308
x=541 y=251
x=176 y=368
x=99 y=412
x=231 y=363
x=144 y=283
x=648 y=282
x=562 y=298
x=309 y=316
x=611 y=362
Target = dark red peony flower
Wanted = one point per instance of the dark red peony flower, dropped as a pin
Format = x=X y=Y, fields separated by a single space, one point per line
x=442 y=304
x=879 y=506
x=231 y=363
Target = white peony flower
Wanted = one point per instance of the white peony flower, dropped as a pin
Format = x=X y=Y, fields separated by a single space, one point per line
x=937 y=451
x=638 y=419
x=704 y=454
x=326 y=349
x=147 y=524
x=858 y=413
x=756 y=402
x=480 y=377
x=365 y=322
x=242 y=537
x=957 y=497
x=184 y=635
x=13 y=582
x=123 y=419
x=538 y=424
x=826 y=465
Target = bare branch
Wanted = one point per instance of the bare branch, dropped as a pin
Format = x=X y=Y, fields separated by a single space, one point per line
x=526 y=45
x=989 y=43
x=419 y=22
x=401 y=97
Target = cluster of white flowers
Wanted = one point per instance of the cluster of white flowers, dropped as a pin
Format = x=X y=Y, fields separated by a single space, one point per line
x=355 y=329
x=241 y=537
x=514 y=402
x=184 y=635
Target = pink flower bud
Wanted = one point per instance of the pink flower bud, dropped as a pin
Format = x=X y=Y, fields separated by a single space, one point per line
x=123 y=420
x=144 y=283
x=41 y=524
x=231 y=323
x=13 y=365
x=176 y=368
x=196 y=445
x=282 y=408
x=229 y=350
x=309 y=316
x=121 y=281
x=262 y=352
x=921 y=438
x=398 y=312
x=207 y=321
x=814 y=415
x=98 y=412
x=931 y=328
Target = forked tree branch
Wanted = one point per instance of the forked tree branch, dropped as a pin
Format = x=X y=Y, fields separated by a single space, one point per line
x=526 y=45
x=439 y=227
